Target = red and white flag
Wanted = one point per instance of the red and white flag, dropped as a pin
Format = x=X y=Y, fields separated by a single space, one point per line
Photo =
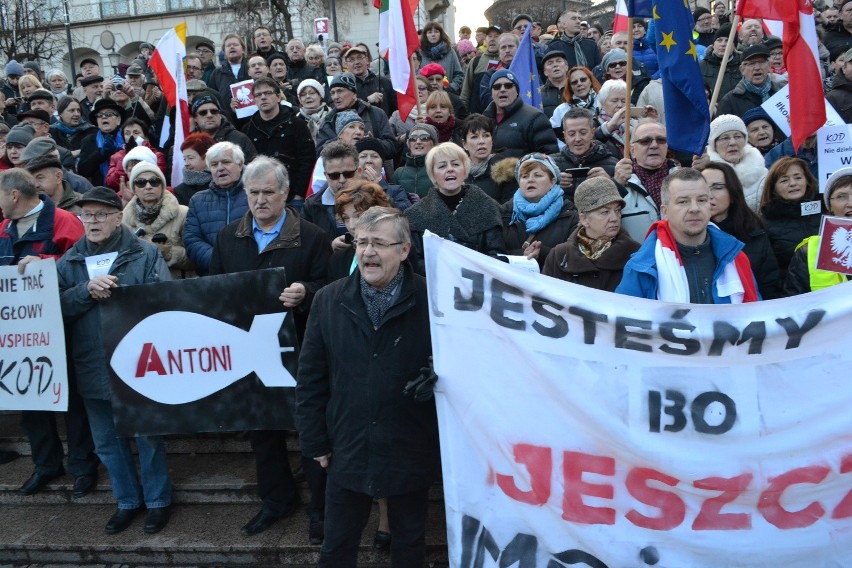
x=167 y=62
x=619 y=24
x=398 y=39
x=801 y=56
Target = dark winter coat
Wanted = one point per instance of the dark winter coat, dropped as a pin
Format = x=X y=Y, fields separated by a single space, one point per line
x=227 y=133
x=74 y=141
x=54 y=232
x=588 y=46
x=91 y=157
x=375 y=121
x=138 y=262
x=301 y=248
x=764 y=265
x=412 y=175
x=349 y=400
x=287 y=139
x=600 y=157
x=557 y=232
x=712 y=64
x=498 y=179
x=372 y=83
x=524 y=129
x=209 y=212
x=840 y=97
x=739 y=101
x=566 y=262
x=223 y=78
x=786 y=228
x=476 y=223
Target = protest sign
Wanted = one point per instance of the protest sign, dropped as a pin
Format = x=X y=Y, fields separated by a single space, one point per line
x=207 y=354
x=242 y=92
x=835 y=250
x=778 y=108
x=33 y=371
x=581 y=427
x=834 y=151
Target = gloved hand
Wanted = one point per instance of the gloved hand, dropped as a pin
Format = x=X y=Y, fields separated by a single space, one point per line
x=423 y=387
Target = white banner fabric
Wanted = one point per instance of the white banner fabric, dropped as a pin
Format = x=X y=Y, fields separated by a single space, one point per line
x=33 y=372
x=585 y=428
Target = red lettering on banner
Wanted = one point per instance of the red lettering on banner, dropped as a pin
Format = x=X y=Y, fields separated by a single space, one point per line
x=149 y=360
x=539 y=464
x=710 y=517
x=844 y=508
x=769 y=503
x=672 y=508
x=573 y=508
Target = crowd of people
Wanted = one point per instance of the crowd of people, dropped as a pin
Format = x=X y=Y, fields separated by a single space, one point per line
x=330 y=181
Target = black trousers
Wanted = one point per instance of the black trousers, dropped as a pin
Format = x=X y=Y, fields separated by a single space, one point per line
x=275 y=484
x=46 y=446
x=346 y=515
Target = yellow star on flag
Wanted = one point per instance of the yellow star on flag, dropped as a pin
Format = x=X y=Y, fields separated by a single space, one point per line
x=529 y=94
x=655 y=14
x=692 y=51
x=668 y=41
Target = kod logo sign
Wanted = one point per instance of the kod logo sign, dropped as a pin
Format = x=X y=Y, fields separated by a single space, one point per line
x=835 y=137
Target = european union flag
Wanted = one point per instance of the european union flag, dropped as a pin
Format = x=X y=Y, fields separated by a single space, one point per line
x=639 y=9
x=683 y=87
x=526 y=70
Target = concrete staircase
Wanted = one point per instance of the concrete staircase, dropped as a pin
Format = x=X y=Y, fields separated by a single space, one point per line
x=214 y=495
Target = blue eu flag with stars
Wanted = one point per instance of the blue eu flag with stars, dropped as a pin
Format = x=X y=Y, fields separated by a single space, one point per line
x=525 y=69
x=687 y=110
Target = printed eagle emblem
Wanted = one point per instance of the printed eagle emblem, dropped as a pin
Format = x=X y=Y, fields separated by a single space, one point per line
x=841 y=244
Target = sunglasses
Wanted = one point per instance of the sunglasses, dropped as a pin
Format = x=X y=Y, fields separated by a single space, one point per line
x=648 y=139
x=617 y=64
x=502 y=86
x=334 y=176
x=213 y=111
x=419 y=137
x=142 y=182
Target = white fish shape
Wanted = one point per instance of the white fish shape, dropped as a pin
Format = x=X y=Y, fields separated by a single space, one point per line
x=177 y=357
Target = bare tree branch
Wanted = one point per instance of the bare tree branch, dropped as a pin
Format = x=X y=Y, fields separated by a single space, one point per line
x=31 y=29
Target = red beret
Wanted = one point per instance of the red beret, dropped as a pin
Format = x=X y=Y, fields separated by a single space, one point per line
x=432 y=69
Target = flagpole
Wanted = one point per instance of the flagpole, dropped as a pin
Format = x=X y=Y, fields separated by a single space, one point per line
x=728 y=49
x=629 y=81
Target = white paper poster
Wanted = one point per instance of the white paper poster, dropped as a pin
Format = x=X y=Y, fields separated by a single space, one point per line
x=834 y=147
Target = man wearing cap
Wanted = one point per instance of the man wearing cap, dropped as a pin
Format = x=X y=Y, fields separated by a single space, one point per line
x=92 y=87
x=436 y=76
x=476 y=69
x=711 y=64
x=136 y=79
x=88 y=68
x=137 y=262
x=33 y=69
x=685 y=258
x=49 y=179
x=755 y=87
x=521 y=129
x=578 y=49
x=376 y=90
x=38 y=147
x=842 y=34
x=14 y=71
x=840 y=95
x=207 y=116
x=42 y=99
x=34 y=228
x=555 y=66
x=207 y=52
x=38 y=119
x=762 y=132
x=276 y=131
x=270 y=235
x=344 y=96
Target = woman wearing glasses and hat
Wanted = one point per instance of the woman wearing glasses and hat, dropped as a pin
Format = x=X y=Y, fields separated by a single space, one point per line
x=97 y=148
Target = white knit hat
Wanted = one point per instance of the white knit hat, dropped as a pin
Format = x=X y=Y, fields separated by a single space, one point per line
x=725 y=123
x=140 y=154
x=305 y=83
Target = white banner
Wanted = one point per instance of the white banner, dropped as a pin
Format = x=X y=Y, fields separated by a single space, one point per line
x=33 y=372
x=778 y=108
x=580 y=427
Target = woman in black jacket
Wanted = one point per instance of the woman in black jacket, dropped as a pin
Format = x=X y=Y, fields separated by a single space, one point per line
x=477 y=137
x=790 y=207
x=70 y=129
x=728 y=209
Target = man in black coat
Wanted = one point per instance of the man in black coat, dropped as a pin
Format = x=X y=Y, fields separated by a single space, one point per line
x=271 y=235
x=276 y=131
x=367 y=339
x=578 y=49
x=755 y=87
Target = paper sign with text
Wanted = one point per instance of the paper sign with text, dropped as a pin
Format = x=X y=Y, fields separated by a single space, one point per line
x=778 y=108
x=33 y=371
x=582 y=427
x=834 y=151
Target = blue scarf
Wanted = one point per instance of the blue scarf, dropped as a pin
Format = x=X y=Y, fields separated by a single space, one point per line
x=109 y=144
x=537 y=216
x=70 y=131
x=762 y=92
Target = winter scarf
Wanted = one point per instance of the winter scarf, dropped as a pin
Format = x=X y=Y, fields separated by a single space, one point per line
x=537 y=216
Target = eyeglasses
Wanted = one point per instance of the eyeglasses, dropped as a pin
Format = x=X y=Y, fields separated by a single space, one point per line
x=660 y=140
x=106 y=115
x=617 y=64
x=754 y=62
x=841 y=198
x=264 y=94
x=704 y=19
x=334 y=176
x=193 y=68
x=100 y=216
x=419 y=137
x=737 y=137
x=502 y=86
x=142 y=182
x=377 y=245
x=213 y=111
x=203 y=50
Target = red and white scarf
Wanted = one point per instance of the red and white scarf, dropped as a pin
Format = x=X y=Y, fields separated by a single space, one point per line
x=736 y=281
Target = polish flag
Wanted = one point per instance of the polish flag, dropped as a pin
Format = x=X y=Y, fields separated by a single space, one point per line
x=620 y=22
x=801 y=57
x=167 y=63
x=398 y=39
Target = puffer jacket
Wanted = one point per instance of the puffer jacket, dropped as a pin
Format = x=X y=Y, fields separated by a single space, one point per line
x=640 y=211
x=54 y=232
x=209 y=212
x=412 y=176
x=524 y=129
x=567 y=263
x=138 y=262
x=375 y=121
x=169 y=222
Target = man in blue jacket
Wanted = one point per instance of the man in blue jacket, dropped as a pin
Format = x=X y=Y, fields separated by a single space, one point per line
x=685 y=259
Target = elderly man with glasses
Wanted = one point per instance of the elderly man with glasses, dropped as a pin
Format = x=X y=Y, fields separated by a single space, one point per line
x=756 y=86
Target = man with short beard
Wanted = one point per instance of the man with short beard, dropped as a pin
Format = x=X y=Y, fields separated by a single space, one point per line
x=750 y=33
x=233 y=70
x=578 y=49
